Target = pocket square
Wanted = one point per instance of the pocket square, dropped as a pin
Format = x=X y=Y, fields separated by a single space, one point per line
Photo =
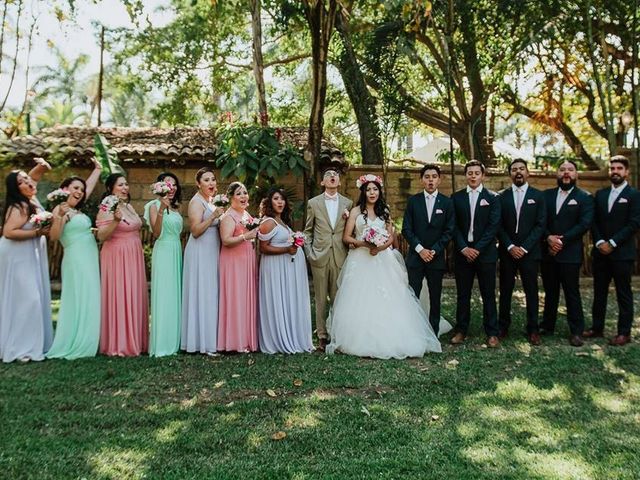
x=530 y=201
x=483 y=203
x=572 y=202
x=623 y=200
x=438 y=211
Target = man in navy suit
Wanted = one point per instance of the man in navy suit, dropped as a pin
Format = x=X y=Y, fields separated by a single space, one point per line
x=616 y=221
x=569 y=217
x=523 y=223
x=428 y=226
x=477 y=212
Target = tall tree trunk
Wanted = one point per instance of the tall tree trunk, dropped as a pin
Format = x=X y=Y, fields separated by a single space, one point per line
x=258 y=60
x=320 y=16
x=101 y=76
x=360 y=97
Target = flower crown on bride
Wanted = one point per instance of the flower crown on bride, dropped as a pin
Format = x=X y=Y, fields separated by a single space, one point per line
x=369 y=177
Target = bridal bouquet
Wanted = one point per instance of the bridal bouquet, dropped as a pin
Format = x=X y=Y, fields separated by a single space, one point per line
x=376 y=236
x=221 y=200
x=162 y=188
x=57 y=197
x=41 y=219
x=250 y=223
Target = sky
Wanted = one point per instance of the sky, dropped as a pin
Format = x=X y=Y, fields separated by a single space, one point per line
x=73 y=37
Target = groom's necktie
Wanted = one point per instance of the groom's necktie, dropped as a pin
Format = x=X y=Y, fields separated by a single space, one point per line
x=613 y=195
x=473 y=199
x=519 y=199
x=429 y=206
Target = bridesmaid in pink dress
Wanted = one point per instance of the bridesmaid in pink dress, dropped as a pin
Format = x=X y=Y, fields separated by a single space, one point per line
x=237 y=322
x=124 y=329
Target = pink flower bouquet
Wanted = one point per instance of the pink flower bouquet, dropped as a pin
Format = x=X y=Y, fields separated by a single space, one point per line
x=109 y=205
x=251 y=223
x=57 y=197
x=221 y=200
x=162 y=188
x=42 y=219
x=297 y=239
x=376 y=236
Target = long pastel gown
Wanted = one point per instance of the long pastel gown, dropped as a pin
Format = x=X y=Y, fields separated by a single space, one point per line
x=124 y=330
x=78 y=326
x=283 y=292
x=238 y=326
x=166 y=284
x=200 y=288
x=26 y=331
x=375 y=313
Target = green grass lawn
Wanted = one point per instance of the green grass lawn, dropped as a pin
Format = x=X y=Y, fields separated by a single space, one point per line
x=552 y=412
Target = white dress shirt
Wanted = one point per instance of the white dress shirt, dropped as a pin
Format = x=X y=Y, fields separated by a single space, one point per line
x=518 y=199
x=331 y=202
x=613 y=196
x=561 y=196
x=473 y=201
x=430 y=202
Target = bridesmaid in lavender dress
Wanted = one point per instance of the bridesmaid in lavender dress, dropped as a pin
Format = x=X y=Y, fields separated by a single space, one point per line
x=124 y=299
x=200 y=271
x=284 y=306
x=26 y=331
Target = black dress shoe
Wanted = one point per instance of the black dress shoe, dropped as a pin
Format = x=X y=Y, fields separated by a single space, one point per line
x=592 y=334
x=504 y=333
x=576 y=341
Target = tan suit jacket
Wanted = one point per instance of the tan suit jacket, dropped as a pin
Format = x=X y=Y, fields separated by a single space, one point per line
x=322 y=241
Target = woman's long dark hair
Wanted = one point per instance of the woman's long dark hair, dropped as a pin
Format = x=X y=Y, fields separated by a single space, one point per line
x=68 y=181
x=177 y=198
x=13 y=197
x=380 y=208
x=110 y=182
x=266 y=206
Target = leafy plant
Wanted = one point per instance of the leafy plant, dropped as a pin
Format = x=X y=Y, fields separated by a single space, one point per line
x=108 y=159
x=254 y=154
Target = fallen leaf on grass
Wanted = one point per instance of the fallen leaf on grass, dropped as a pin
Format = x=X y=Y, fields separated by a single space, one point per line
x=582 y=354
x=251 y=361
x=230 y=404
x=364 y=410
x=271 y=393
x=596 y=347
x=435 y=418
x=218 y=384
x=235 y=375
x=297 y=382
x=279 y=435
x=453 y=363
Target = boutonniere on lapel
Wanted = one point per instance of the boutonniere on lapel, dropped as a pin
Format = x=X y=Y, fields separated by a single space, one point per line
x=484 y=203
x=345 y=214
x=530 y=201
x=438 y=211
x=572 y=202
x=623 y=200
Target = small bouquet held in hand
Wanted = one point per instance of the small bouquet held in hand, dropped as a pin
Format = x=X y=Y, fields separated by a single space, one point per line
x=42 y=219
x=110 y=204
x=221 y=200
x=376 y=236
x=162 y=188
x=297 y=239
x=250 y=223
x=58 y=196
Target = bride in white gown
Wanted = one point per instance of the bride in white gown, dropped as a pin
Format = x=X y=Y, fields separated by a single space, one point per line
x=375 y=313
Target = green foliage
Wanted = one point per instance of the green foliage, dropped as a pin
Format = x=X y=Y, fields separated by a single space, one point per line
x=254 y=154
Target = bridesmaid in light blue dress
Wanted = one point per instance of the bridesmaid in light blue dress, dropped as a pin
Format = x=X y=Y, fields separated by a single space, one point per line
x=285 y=309
x=200 y=274
x=78 y=326
x=26 y=331
x=164 y=218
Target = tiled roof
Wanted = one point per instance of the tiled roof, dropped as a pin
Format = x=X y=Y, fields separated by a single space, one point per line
x=178 y=145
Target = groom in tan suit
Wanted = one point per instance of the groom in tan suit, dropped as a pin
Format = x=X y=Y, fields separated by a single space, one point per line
x=324 y=248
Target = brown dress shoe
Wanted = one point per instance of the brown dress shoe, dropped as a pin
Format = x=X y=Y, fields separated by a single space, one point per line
x=576 y=341
x=322 y=344
x=534 y=339
x=493 y=342
x=591 y=333
x=620 y=340
x=458 y=339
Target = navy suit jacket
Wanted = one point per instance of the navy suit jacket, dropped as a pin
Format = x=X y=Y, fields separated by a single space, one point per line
x=533 y=218
x=619 y=225
x=432 y=235
x=572 y=222
x=486 y=222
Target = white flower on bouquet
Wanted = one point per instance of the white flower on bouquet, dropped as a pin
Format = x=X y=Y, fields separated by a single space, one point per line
x=375 y=235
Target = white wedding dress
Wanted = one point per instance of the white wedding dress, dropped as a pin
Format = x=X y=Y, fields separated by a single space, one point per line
x=375 y=313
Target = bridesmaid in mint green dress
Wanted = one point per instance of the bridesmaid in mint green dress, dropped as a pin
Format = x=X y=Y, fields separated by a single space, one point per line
x=78 y=327
x=164 y=218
